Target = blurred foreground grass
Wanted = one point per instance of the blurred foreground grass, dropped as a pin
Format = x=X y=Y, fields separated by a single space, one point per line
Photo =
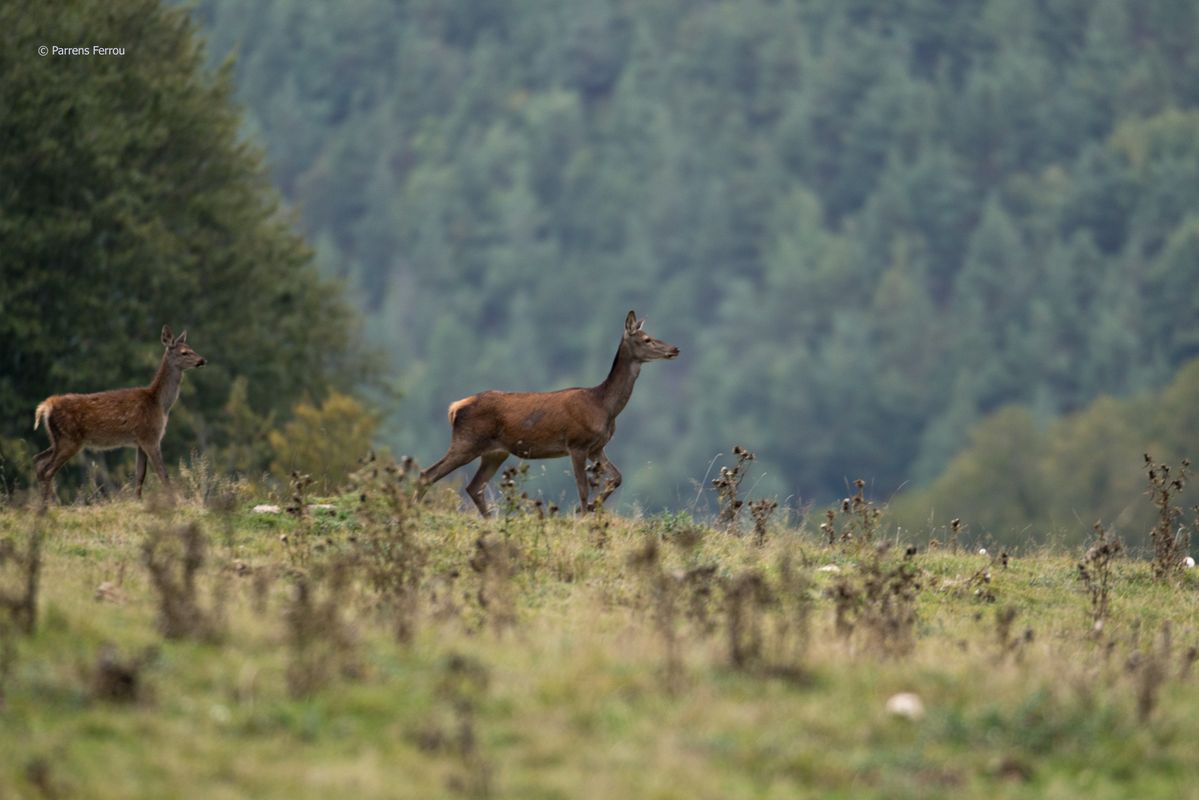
x=565 y=657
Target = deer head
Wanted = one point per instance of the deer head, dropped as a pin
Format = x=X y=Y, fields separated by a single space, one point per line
x=642 y=346
x=178 y=353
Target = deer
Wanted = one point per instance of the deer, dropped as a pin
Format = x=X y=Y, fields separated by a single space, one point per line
x=134 y=417
x=576 y=422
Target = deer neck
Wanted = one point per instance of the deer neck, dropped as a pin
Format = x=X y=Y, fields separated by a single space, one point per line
x=165 y=387
x=617 y=388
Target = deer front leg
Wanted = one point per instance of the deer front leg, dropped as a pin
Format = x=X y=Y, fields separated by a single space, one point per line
x=141 y=471
x=455 y=457
x=578 y=461
x=614 y=478
x=154 y=453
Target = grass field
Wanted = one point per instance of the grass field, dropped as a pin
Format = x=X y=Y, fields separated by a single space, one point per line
x=382 y=649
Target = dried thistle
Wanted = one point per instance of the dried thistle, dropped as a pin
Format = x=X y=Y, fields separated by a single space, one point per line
x=760 y=511
x=20 y=603
x=118 y=679
x=463 y=687
x=321 y=644
x=728 y=485
x=1095 y=571
x=300 y=484
x=387 y=547
x=493 y=562
x=881 y=600
x=174 y=559
x=955 y=532
x=862 y=518
x=512 y=482
x=747 y=596
x=1171 y=537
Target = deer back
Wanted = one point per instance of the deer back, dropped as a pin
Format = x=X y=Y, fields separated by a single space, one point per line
x=534 y=424
x=118 y=418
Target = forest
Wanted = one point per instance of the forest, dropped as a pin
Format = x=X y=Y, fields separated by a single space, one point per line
x=892 y=240
x=906 y=512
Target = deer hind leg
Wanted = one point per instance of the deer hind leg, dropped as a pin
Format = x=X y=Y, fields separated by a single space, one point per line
x=477 y=487
x=141 y=471
x=40 y=459
x=61 y=453
x=44 y=457
x=614 y=478
x=454 y=457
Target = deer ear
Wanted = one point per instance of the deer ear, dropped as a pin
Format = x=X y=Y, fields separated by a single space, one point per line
x=167 y=336
x=641 y=324
x=181 y=338
x=630 y=322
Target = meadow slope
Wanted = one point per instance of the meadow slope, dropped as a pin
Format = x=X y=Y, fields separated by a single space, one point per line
x=380 y=649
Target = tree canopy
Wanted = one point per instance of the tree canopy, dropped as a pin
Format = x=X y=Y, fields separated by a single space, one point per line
x=867 y=225
x=1021 y=480
x=129 y=199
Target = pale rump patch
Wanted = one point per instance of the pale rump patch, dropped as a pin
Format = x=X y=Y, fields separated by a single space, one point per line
x=458 y=405
x=43 y=412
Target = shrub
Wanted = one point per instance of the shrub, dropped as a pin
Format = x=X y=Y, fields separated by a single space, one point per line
x=325 y=442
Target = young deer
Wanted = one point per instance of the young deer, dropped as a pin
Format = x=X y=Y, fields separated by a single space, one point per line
x=575 y=422
x=118 y=418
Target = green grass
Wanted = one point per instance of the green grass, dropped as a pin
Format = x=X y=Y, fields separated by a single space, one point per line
x=575 y=699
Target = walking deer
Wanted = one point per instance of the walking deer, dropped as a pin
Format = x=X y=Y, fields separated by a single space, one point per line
x=575 y=422
x=119 y=418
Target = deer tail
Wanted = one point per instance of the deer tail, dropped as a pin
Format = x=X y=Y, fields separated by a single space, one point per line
x=43 y=413
x=457 y=406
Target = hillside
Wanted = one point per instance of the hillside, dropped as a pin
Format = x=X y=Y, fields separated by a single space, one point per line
x=868 y=226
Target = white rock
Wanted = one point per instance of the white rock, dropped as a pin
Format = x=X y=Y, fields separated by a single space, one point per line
x=1188 y=562
x=982 y=551
x=323 y=506
x=220 y=714
x=266 y=509
x=828 y=568
x=906 y=705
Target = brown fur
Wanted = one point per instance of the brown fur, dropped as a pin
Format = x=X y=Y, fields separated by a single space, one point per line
x=134 y=417
x=576 y=422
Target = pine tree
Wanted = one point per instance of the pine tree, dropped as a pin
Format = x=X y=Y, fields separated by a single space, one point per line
x=130 y=201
